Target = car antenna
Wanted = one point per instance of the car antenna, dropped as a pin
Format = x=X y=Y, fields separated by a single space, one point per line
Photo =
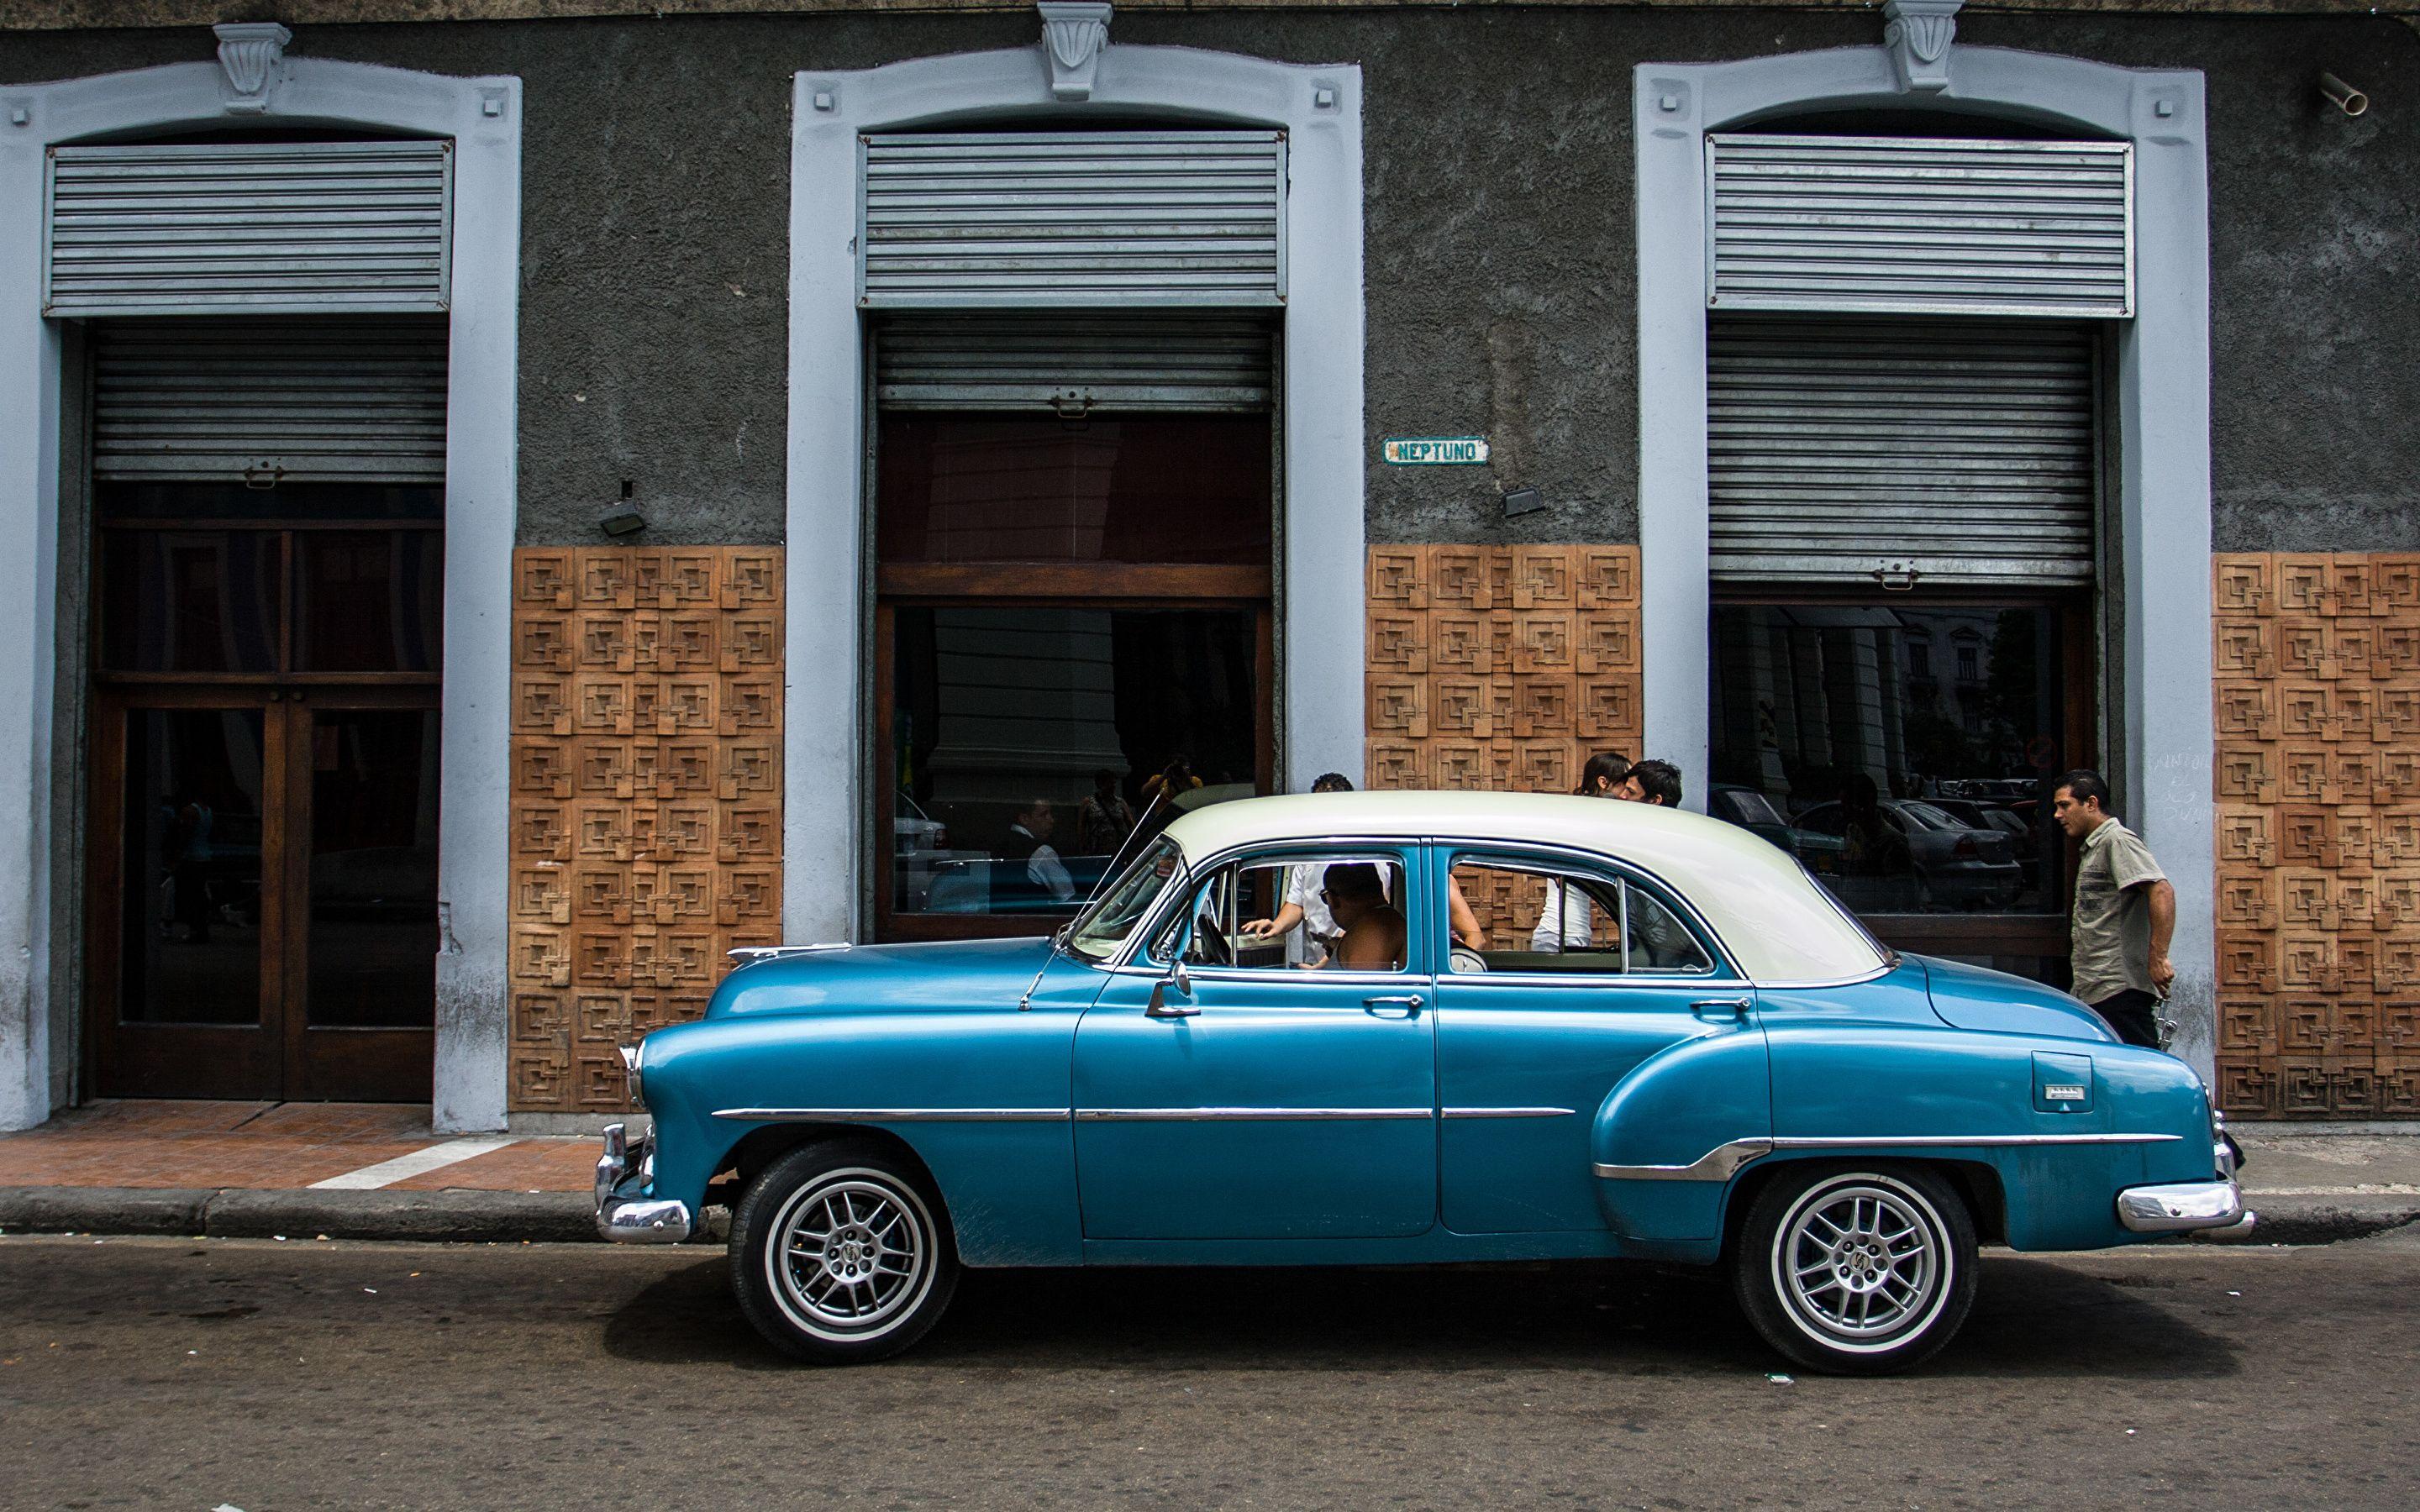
x=1025 y=1000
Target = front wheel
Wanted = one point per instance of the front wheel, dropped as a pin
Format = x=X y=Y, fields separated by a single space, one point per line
x=842 y=1253
x=1856 y=1270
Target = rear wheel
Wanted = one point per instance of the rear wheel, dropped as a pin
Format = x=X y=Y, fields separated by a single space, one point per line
x=842 y=1253
x=1859 y=1271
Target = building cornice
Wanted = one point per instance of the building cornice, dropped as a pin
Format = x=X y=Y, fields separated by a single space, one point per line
x=96 y=15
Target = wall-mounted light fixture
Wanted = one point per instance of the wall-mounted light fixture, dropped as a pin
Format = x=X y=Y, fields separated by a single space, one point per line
x=623 y=522
x=2343 y=96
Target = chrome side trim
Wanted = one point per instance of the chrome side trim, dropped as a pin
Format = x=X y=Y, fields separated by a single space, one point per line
x=1244 y=1114
x=896 y=1115
x=1507 y=1112
x=1866 y=1141
x=1717 y=1164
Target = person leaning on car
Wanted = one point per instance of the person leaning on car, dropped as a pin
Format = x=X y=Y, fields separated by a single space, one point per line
x=2125 y=913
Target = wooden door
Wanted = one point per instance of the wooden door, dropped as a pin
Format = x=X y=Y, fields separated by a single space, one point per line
x=262 y=905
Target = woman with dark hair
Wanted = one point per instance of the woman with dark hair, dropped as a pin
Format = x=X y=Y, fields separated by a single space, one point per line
x=1565 y=923
x=1602 y=774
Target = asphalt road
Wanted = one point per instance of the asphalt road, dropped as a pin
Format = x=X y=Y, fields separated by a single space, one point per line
x=257 y=1375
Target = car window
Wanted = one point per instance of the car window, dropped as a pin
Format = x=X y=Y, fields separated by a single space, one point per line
x=1293 y=910
x=1925 y=816
x=1825 y=819
x=1748 y=807
x=1537 y=917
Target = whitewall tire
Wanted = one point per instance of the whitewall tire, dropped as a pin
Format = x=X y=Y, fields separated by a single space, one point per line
x=841 y=1252
x=1859 y=1270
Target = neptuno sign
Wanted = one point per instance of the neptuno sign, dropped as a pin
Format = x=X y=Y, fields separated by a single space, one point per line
x=1435 y=450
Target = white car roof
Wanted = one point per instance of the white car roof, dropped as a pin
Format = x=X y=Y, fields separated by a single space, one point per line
x=1775 y=922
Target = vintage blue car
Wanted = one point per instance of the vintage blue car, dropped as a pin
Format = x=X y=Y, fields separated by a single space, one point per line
x=1707 y=1060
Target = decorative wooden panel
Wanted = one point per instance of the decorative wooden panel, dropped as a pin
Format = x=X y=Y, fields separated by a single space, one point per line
x=2317 y=689
x=646 y=802
x=1500 y=668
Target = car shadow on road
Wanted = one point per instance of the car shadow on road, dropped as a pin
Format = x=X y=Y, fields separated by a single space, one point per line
x=2030 y=1319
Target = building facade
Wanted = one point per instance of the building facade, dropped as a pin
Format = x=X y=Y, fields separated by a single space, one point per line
x=517 y=500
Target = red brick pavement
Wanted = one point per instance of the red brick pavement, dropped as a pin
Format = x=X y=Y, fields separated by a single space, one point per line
x=146 y=1143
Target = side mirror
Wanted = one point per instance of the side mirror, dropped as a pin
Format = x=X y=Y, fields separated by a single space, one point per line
x=1160 y=1007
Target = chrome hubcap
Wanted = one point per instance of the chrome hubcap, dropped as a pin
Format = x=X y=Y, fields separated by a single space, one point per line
x=1859 y=1261
x=855 y=1254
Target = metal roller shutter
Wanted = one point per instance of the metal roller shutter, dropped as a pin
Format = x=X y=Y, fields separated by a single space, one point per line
x=1921 y=225
x=1068 y=362
x=359 y=401
x=1073 y=218
x=1957 y=452
x=293 y=227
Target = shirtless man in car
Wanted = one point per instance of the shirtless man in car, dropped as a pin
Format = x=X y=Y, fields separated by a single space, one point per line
x=1370 y=931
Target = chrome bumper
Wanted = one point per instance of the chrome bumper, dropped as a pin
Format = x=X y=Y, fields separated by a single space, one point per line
x=2183 y=1206
x=637 y=1219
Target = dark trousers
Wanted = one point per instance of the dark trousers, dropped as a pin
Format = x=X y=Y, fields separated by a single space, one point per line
x=2134 y=1014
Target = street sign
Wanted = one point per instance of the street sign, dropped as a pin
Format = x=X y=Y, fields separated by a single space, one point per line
x=1435 y=450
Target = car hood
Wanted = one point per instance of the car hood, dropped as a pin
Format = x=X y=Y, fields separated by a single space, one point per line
x=954 y=974
x=1975 y=997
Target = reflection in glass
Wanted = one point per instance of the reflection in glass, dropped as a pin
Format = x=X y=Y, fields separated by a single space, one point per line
x=368 y=601
x=1031 y=744
x=1836 y=738
x=196 y=498
x=1140 y=488
x=373 y=952
x=189 y=601
x=189 y=942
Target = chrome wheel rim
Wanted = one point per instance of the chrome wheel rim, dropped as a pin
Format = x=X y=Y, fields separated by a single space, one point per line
x=851 y=1255
x=1862 y=1263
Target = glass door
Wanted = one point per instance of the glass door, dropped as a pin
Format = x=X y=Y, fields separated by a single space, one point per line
x=265 y=919
x=263 y=887
x=187 y=866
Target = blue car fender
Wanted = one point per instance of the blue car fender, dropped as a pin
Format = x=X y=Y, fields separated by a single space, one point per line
x=1654 y=1131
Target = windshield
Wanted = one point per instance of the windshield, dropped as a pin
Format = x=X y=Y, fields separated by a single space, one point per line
x=1104 y=927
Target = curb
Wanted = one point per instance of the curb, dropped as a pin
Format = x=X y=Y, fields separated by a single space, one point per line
x=2291 y=1218
x=468 y=1217
x=460 y=1217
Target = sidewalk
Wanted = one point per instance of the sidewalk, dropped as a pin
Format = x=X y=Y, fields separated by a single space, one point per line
x=302 y=1170
x=298 y=1170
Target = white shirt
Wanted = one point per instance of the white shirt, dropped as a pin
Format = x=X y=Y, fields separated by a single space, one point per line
x=1566 y=923
x=1045 y=871
x=1303 y=885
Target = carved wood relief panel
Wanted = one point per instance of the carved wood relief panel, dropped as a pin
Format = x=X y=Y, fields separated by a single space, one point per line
x=2317 y=692
x=1502 y=669
x=647 y=800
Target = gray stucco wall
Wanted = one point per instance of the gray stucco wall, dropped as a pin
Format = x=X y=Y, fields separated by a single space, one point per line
x=1500 y=292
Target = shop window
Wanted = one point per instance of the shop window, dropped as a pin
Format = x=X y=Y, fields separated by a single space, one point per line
x=1925 y=809
x=1073 y=644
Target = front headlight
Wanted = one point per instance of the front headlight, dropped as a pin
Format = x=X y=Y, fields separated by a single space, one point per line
x=631 y=1055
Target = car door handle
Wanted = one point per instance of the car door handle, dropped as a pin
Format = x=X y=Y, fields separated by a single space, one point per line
x=1409 y=1003
x=1721 y=1008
